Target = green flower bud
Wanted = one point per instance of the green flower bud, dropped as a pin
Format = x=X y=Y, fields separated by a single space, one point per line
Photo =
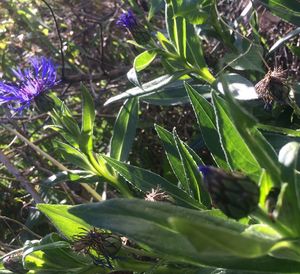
x=234 y=194
x=14 y=263
x=44 y=103
x=111 y=244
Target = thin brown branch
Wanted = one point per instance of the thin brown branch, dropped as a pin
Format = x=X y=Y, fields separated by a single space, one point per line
x=23 y=181
x=97 y=76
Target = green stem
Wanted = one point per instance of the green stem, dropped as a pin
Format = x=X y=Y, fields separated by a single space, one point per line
x=92 y=191
x=281 y=130
x=295 y=107
x=104 y=172
x=260 y=215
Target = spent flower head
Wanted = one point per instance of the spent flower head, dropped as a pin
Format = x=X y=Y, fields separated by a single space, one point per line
x=233 y=193
x=128 y=20
x=273 y=87
x=31 y=82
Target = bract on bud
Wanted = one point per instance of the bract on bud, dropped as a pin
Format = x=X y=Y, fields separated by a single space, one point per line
x=235 y=194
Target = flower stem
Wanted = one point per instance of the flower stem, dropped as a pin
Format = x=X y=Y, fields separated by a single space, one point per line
x=113 y=179
x=261 y=216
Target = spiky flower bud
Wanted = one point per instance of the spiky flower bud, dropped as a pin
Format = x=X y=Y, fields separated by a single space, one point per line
x=140 y=34
x=234 y=194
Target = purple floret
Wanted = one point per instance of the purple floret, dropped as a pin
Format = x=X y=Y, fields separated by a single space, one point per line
x=127 y=20
x=205 y=170
x=31 y=82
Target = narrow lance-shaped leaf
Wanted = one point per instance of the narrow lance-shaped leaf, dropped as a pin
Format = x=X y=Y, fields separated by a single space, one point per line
x=289 y=204
x=144 y=59
x=206 y=119
x=195 y=55
x=235 y=148
x=172 y=154
x=76 y=157
x=145 y=181
x=124 y=130
x=88 y=117
x=147 y=87
x=246 y=125
x=191 y=172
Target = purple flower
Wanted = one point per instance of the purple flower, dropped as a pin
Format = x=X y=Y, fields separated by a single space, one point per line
x=127 y=20
x=31 y=82
x=140 y=34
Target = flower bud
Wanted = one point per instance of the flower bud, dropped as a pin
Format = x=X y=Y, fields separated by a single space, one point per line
x=234 y=194
x=14 y=263
x=44 y=103
x=139 y=33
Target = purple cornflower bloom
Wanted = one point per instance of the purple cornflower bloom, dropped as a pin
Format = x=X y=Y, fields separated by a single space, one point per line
x=127 y=20
x=31 y=82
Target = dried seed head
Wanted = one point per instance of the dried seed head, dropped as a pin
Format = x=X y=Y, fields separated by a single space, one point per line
x=100 y=245
x=273 y=87
x=14 y=263
x=157 y=195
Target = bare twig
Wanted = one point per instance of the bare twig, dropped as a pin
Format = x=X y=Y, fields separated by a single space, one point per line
x=52 y=160
x=97 y=76
x=23 y=181
x=60 y=40
x=22 y=225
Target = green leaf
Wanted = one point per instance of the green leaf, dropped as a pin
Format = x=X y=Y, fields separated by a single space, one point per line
x=207 y=239
x=176 y=27
x=196 y=12
x=289 y=207
x=172 y=154
x=155 y=6
x=238 y=154
x=239 y=87
x=66 y=124
x=280 y=42
x=191 y=172
x=245 y=57
x=165 y=43
x=162 y=228
x=246 y=124
x=195 y=55
x=144 y=59
x=286 y=9
x=54 y=255
x=145 y=180
x=206 y=119
x=174 y=94
x=133 y=77
x=76 y=157
x=124 y=130
x=88 y=117
x=147 y=87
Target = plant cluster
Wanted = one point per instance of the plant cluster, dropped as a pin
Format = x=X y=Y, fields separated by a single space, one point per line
x=226 y=200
